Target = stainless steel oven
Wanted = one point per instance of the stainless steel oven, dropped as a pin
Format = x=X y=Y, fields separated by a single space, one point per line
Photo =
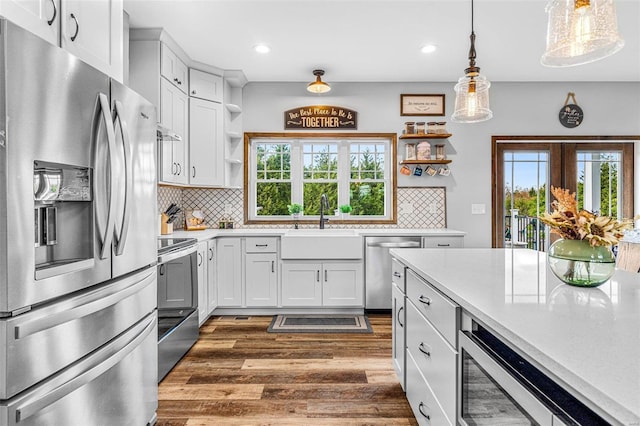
x=177 y=301
x=498 y=387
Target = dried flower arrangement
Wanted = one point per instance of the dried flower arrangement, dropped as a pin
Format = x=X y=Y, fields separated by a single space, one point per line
x=571 y=224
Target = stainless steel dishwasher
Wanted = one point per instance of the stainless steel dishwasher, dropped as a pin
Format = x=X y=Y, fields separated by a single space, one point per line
x=378 y=268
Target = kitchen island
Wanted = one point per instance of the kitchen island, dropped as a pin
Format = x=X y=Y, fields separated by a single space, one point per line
x=585 y=340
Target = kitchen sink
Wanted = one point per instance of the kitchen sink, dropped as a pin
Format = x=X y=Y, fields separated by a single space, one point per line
x=321 y=244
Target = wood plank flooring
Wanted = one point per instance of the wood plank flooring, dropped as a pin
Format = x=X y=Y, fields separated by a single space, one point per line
x=238 y=374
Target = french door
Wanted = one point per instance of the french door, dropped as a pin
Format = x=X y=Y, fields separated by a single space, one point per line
x=598 y=169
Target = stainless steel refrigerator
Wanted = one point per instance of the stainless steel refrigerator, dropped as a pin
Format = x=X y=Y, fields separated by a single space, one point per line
x=78 y=317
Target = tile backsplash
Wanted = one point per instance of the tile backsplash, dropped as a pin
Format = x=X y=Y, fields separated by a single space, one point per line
x=418 y=207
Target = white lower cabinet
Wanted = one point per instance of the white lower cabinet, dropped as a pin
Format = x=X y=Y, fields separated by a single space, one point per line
x=421 y=398
x=431 y=323
x=229 y=272
x=202 y=282
x=261 y=279
x=335 y=284
x=212 y=290
x=398 y=332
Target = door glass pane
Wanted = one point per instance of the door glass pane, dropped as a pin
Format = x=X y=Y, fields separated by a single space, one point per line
x=526 y=177
x=485 y=402
x=598 y=188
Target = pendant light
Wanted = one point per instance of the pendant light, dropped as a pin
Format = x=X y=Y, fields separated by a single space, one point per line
x=580 y=31
x=472 y=90
x=318 y=86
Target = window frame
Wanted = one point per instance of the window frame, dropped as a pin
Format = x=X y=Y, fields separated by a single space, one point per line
x=342 y=139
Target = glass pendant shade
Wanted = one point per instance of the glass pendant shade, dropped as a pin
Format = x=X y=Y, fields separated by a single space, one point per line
x=472 y=100
x=580 y=31
x=318 y=86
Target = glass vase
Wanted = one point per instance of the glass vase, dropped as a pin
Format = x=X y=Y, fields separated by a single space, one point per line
x=577 y=263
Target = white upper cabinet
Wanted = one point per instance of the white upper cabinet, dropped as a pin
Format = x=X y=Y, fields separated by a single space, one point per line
x=173 y=69
x=91 y=30
x=205 y=86
x=206 y=145
x=41 y=17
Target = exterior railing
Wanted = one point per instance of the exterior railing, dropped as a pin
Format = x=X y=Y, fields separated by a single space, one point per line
x=524 y=231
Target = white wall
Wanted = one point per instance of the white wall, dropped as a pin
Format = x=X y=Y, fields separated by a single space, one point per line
x=518 y=109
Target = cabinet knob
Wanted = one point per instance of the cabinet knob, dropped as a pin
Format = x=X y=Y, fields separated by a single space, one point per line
x=425 y=415
x=75 y=35
x=193 y=92
x=55 y=13
x=425 y=300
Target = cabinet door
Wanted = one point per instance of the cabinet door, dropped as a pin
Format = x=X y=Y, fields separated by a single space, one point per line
x=93 y=31
x=181 y=148
x=398 y=333
x=206 y=143
x=202 y=282
x=174 y=113
x=301 y=284
x=212 y=291
x=205 y=86
x=342 y=284
x=229 y=272
x=41 y=17
x=173 y=69
x=261 y=279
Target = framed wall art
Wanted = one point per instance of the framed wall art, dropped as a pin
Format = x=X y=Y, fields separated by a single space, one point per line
x=422 y=105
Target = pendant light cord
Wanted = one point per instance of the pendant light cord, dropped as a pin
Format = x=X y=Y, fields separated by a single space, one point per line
x=472 y=51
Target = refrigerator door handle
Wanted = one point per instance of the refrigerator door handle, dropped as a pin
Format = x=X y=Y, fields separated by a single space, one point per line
x=94 y=303
x=30 y=408
x=106 y=231
x=123 y=231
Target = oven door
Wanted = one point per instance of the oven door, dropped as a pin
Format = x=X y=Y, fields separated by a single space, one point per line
x=177 y=280
x=490 y=394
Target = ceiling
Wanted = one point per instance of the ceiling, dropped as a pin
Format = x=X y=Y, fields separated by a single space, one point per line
x=378 y=40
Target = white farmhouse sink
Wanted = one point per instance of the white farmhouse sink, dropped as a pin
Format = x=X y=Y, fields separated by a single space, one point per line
x=321 y=244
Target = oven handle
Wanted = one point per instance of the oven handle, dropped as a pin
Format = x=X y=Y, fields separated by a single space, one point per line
x=168 y=257
x=538 y=411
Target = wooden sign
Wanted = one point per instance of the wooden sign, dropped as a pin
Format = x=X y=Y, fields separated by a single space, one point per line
x=321 y=117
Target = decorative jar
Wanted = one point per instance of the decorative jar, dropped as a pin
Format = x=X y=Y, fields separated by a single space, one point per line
x=424 y=151
x=577 y=263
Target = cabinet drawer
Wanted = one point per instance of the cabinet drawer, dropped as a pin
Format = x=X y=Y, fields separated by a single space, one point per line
x=261 y=245
x=437 y=308
x=434 y=357
x=205 y=86
x=398 y=271
x=443 y=242
x=421 y=399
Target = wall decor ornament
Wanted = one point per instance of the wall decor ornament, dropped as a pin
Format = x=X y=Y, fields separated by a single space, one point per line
x=571 y=115
x=325 y=117
x=421 y=105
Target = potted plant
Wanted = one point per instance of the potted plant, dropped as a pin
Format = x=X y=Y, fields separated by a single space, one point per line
x=345 y=209
x=583 y=256
x=295 y=210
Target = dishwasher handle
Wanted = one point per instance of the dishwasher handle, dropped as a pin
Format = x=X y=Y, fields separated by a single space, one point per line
x=404 y=244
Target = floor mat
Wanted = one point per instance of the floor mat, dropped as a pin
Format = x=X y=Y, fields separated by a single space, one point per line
x=338 y=323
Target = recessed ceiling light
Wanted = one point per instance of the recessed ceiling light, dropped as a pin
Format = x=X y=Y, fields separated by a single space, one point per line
x=262 y=48
x=428 y=48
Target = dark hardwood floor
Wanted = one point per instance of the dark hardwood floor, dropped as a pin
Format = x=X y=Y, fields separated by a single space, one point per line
x=238 y=374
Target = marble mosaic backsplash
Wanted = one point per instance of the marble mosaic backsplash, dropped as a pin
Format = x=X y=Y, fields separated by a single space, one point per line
x=418 y=207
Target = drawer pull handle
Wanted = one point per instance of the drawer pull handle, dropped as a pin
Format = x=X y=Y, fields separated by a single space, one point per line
x=426 y=416
x=55 y=13
x=399 y=312
x=443 y=245
x=423 y=348
x=75 y=35
x=273 y=266
x=397 y=274
x=425 y=300
x=261 y=245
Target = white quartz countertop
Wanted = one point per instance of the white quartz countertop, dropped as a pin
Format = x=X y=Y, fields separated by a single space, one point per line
x=207 y=234
x=586 y=339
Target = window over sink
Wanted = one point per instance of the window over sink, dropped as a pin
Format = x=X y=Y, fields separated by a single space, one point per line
x=355 y=169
